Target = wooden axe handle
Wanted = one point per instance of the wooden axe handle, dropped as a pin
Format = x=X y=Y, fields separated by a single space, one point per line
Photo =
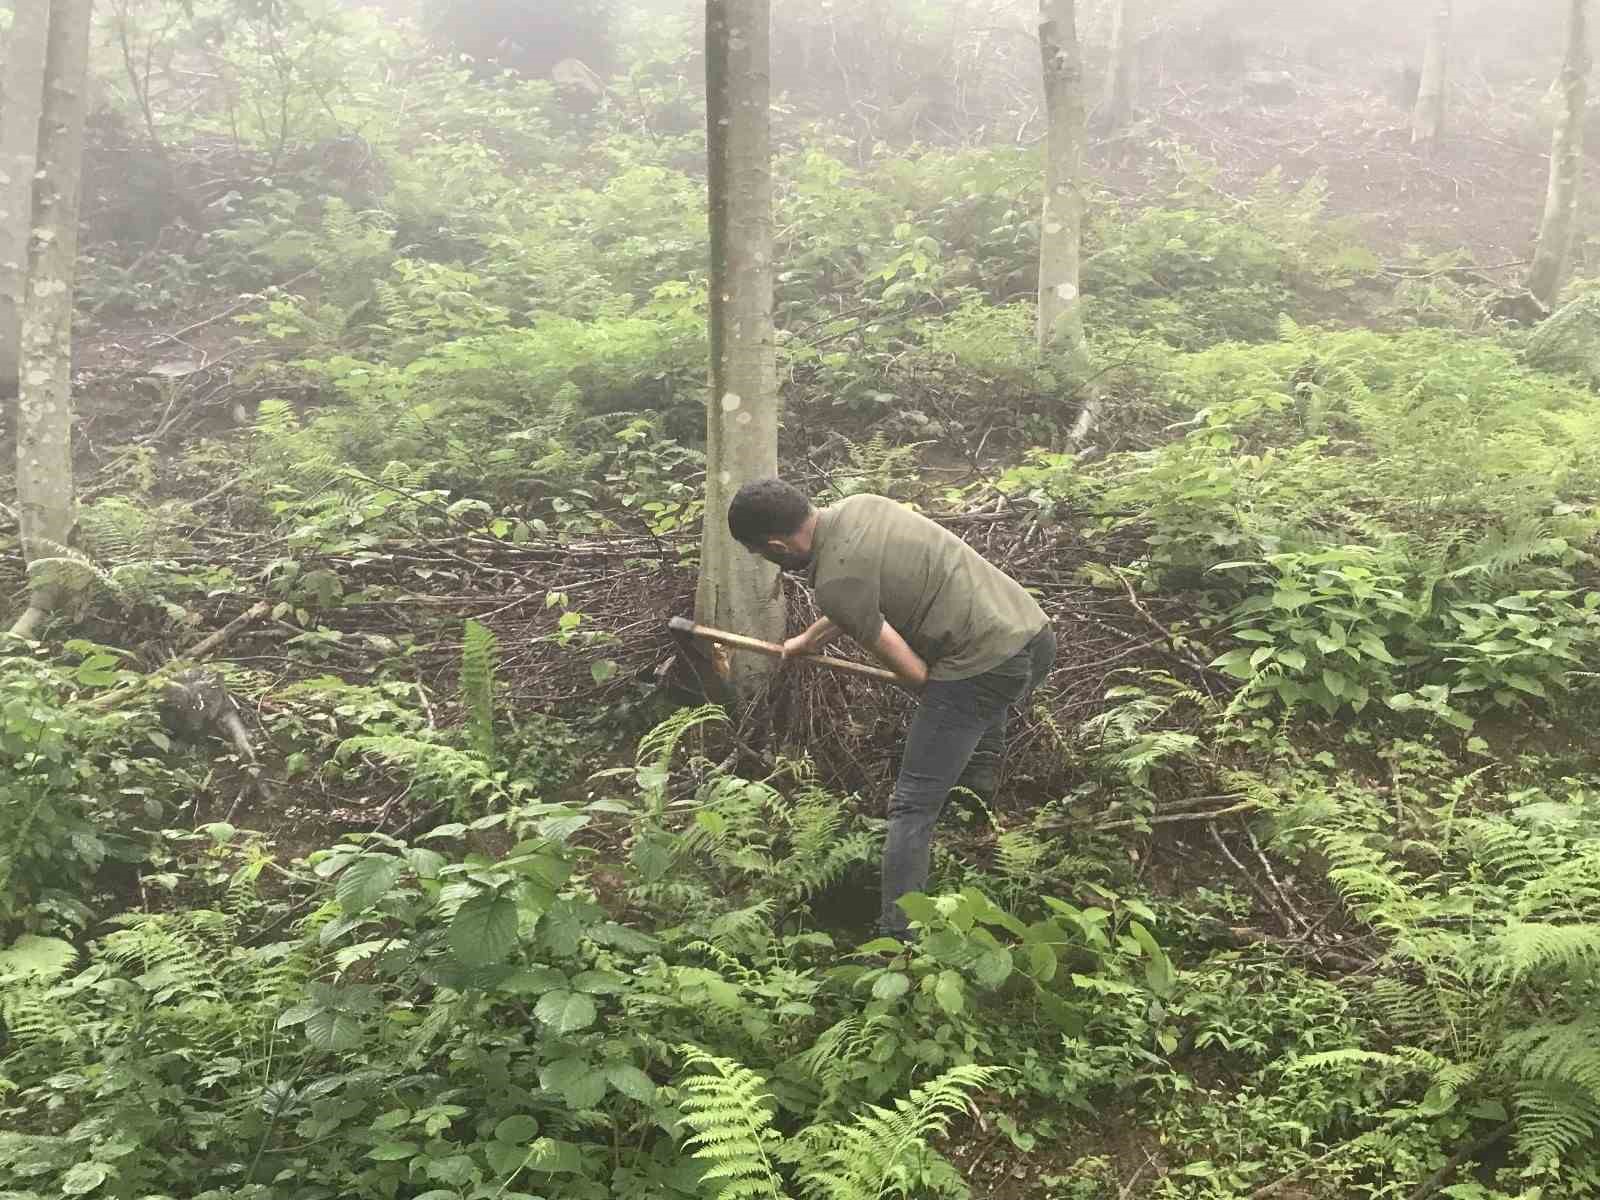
x=682 y=625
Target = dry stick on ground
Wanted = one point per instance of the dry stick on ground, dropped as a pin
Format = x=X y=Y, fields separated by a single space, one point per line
x=1171 y=637
x=227 y=312
x=1266 y=897
x=1470 y=1151
x=201 y=649
x=1273 y=879
x=1278 y=1184
x=1136 y=822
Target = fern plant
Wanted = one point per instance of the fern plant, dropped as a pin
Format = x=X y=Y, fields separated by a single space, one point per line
x=1501 y=941
x=883 y=1151
x=478 y=647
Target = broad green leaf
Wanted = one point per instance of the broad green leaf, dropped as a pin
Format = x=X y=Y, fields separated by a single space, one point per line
x=581 y=1084
x=484 y=930
x=993 y=967
x=535 y=981
x=950 y=993
x=330 y=1030
x=517 y=1129
x=632 y=1082
x=891 y=986
x=1042 y=962
x=84 y=1178
x=366 y=881
x=393 y=1151
x=455 y=1169
x=1158 y=971
x=599 y=983
x=918 y=907
x=426 y=863
x=564 y=1011
x=557 y=1157
x=1375 y=648
x=504 y=1159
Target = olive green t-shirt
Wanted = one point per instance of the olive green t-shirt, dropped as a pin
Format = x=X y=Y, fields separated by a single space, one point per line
x=875 y=560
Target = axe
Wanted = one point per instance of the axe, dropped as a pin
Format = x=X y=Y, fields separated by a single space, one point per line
x=712 y=668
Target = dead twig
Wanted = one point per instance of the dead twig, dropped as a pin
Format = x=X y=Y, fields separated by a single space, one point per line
x=1471 y=1150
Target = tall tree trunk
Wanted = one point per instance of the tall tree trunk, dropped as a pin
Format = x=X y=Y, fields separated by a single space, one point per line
x=1427 y=118
x=1551 y=259
x=1060 y=329
x=44 y=400
x=1116 y=104
x=21 y=99
x=738 y=590
x=1567 y=164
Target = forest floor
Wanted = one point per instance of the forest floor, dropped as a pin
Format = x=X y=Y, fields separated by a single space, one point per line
x=152 y=389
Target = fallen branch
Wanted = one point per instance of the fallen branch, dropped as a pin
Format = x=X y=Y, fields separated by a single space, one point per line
x=1136 y=822
x=227 y=312
x=1256 y=887
x=201 y=650
x=1444 y=1174
x=206 y=645
x=1273 y=879
x=1172 y=638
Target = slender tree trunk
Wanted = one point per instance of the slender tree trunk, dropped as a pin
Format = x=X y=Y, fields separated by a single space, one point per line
x=44 y=401
x=1427 y=118
x=1553 y=255
x=1116 y=104
x=21 y=99
x=738 y=590
x=1061 y=225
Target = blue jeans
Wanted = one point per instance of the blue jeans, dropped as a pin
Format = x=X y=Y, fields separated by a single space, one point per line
x=956 y=718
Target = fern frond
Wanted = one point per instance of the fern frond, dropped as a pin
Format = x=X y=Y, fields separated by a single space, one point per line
x=872 y=1156
x=1527 y=948
x=658 y=746
x=478 y=648
x=432 y=762
x=1503 y=548
x=1554 y=1119
x=1568 y=1052
x=729 y=1109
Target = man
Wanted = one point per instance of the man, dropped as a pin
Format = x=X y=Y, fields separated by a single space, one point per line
x=952 y=626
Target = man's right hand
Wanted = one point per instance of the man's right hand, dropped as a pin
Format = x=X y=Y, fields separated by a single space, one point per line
x=797 y=647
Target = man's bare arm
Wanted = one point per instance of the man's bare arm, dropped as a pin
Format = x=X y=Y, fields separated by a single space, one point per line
x=893 y=651
x=812 y=640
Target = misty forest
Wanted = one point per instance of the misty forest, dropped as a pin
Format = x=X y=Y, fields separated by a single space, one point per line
x=415 y=786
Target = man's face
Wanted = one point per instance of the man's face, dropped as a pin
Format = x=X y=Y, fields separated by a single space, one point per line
x=781 y=555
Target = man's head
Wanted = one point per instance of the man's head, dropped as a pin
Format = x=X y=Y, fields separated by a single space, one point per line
x=773 y=519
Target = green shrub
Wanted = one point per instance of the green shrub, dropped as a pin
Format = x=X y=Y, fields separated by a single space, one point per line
x=75 y=783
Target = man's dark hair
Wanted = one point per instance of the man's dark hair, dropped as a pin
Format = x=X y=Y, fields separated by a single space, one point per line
x=766 y=508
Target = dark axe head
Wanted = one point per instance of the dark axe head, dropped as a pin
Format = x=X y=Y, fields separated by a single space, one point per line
x=706 y=660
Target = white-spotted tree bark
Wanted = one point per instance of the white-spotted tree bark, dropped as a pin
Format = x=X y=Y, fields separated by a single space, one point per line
x=738 y=590
x=1122 y=71
x=21 y=98
x=1427 y=117
x=1554 y=253
x=44 y=397
x=1060 y=327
